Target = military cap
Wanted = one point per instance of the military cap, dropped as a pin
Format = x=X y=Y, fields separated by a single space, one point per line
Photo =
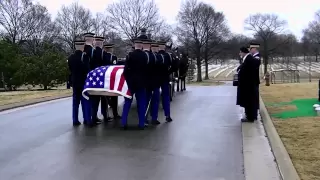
x=137 y=40
x=108 y=45
x=98 y=38
x=88 y=34
x=254 y=45
x=79 y=42
x=146 y=41
x=154 y=44
x=244 y=50
x=162 y=43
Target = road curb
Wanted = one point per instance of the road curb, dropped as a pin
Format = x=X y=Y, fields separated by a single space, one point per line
x=32 y=102
x=282 y=158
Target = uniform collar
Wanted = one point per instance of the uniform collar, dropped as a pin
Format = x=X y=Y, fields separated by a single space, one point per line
x=255 y=54
x=244 y=58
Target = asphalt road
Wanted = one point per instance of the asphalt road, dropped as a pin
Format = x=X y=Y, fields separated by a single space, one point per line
x=203 y=142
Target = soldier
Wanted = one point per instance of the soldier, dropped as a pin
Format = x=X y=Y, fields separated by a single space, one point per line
x=151 y=74
x=96 y=61
x=89 y=50
x=153 y=94
x=113 y=60
x=135 y=75
x=79 y=67
x=256 y=55
x=165 y=80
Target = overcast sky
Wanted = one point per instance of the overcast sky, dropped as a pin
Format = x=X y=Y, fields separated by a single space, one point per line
x=298 y=13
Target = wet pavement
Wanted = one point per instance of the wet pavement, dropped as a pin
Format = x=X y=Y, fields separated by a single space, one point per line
x=204 y=142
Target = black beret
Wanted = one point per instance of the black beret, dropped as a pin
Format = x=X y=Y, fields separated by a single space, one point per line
x=244 y=50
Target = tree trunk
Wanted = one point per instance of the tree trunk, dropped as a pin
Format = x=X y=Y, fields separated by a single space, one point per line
x=199 y=73
x=265 y=57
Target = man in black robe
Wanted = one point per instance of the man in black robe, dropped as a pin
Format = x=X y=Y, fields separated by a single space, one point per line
x=247 y=85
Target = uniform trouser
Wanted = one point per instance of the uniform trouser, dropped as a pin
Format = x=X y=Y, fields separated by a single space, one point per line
x=95 y=100
x=113 y=101
x=77 y=98
x=104 y=106
x=141 y=105
x=154 y=96
x=165 y=88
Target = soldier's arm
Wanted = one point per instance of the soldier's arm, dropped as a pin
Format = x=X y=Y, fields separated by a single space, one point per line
x=114 y=59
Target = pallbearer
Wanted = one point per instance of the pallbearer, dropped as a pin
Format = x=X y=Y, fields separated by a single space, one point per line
x=113 y=60
x=255 y=53
x=89 y=50
x=135 y=75
x=165 y=80
x=79 y=67
x=153 y=93
x=96 y=61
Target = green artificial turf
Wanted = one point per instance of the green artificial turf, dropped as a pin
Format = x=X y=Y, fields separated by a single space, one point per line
x=304 y=109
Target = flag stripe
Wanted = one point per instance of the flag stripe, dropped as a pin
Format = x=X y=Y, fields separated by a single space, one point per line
x=121 y=83
x=107 y=77
x=113 y=77
x=117 y=81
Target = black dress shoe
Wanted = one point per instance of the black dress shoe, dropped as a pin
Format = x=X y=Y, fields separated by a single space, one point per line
x=168 y=119
x=156 y=122
x=246 y=120
x=108 y=119
x=125 y=127
x=77 y=123
x=97 y=121
x=117 y=116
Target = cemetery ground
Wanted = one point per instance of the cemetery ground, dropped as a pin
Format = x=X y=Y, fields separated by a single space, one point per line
x=24 y=96
x=290 y=107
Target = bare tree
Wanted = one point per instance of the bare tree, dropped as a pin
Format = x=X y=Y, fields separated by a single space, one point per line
x=129 y=16
x=190 y=16
x=100 y=25
x=73 y=20
x=22 y=20
x=312 y=35
x=216 y=31
x=265 y=26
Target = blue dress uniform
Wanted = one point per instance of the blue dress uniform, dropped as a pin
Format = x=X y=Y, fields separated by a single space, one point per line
x=111 y=59
x=135 y=75
x=94 y=100
x=153 y=93
x=79 y=67
x=165 y=80
x=96 y=61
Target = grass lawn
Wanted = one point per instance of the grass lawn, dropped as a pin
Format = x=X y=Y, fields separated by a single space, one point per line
x=296 y=123
x=12 y=97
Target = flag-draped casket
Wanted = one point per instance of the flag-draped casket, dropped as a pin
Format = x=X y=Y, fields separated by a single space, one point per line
x=106 y=81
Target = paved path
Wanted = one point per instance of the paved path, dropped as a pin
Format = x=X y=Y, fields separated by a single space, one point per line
x=203 y=142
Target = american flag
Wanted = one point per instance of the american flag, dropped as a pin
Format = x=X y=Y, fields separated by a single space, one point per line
x=106 y=81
